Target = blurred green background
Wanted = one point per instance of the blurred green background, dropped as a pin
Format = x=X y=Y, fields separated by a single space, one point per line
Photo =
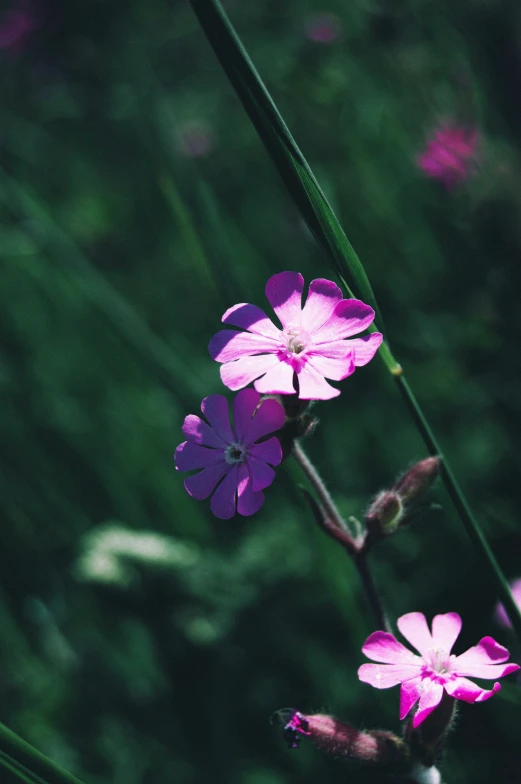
x=142 y=640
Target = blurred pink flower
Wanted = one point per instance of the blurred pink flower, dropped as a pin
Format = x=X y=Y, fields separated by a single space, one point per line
x=196 y=140
x=450 y=155
x=323 y=28
x=500 y=613
x=425 y=677
x=310 y=344
x=16 y=26
x=231 y=455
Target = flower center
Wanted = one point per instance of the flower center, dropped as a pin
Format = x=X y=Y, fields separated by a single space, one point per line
x=438 y=661
x=235 y=453
x=295 y=339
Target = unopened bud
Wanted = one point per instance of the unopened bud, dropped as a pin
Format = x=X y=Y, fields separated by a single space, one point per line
x=418 y=479
x=385 y=513
x=374 y=747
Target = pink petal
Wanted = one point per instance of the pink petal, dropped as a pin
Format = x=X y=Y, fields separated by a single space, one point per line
x=484 y=660
x=365 y=348
x=269 y=451
x=250 y=501
x=201 y=485
x=195 y=429
x=349 y=318
x=228 y=345
x=320 y=303
x=284 y=292
x=384 y=647
x=278 y=380
x=189 y=456
x=383 y=676
x=262 y=474
x=431 y=695
x=270 y=416
x=253 y=319
x=224 y=500
x=414 y=628
x=215 y=409
x=313 y=386
x=244 y=405
x=336 y=369
x=463 y=689
x=410 y=692
x=242 y=372
x=445 y=630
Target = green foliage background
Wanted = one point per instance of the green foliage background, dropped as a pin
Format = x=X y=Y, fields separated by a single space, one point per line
x=141 y=640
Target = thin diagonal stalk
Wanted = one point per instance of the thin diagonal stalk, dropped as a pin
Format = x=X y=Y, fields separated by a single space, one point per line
x=311 y=202
x=29 y=763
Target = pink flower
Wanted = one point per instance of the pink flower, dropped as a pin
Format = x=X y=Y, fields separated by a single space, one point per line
x=424 y=677
x=311 y=343
x=449 y=156
x=232 y=457
x=500 y=613
x=16 y=27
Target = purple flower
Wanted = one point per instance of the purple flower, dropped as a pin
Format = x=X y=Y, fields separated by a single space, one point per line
x=16 y=27
x=233 y=460
x=425 y=677
x=311 y=343
x=500 y=613
x=450 y=155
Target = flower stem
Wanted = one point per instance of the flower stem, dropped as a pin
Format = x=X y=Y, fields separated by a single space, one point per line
x=371 y=591
x=321 y=490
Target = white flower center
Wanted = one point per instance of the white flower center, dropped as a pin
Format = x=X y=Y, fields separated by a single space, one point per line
x=235 y=453
x=438 y=661
x=295 y=339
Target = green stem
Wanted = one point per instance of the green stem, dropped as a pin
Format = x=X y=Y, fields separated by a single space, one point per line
x=25 y=756
x=316 y=211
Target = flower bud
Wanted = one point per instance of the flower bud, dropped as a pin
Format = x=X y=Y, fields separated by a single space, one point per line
x=385 y=513
x=417 y=480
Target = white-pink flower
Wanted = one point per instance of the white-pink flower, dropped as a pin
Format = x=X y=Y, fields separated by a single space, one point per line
x=500 y=612
x=311 y=345
x=234 y=463
x=423 y=678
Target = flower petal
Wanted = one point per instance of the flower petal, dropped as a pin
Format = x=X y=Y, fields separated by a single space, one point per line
x=350 y=317
x=284 y=292
x=445 y=630
x=414 y=628
x=484 y=660
x=384 y=647
x=320 y=303
x=270 y=416
x=336 y=369
x=195 y=429
x=262 y=474
x=410 y=693
x=313 y=386
x=189 y=456
x=202 y=484
x=228 y=345
x=366 y=347
x=431 y=695
x=383 y=676
x=249 y=501
x=244 y=405
x=224 y=500
x=278 y=380
x=253 y=319
x=269 y=451
x=215 y=409
x=242 y=372
x=463 y=689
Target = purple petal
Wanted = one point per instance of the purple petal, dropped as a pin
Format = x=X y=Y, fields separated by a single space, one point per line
x=431 y=695
x=201 y=485
x=262 y=475
x=269 y=451
x=189 y=456
x=321 y=301
x=270 y=416
x=414 y=628
x=250 y=501
x=484 y=660
x=445 y=630
x=384 y=647
x=253 y=319
x=228 y=345
x=244 y=405
x=215 y=409
x=278 y=380
x=383 y=676
x=410 y=692
x=366 y=347
x=336 y=369
x=349 y=318
x=224 y=500
x=463 y=689
x=284 y=292
x=195 y=429
x=242 y=372
x=313 y=386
